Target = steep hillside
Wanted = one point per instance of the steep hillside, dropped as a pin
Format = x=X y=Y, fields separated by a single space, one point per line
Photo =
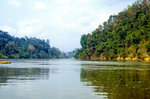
x=125 y=36
x=12 y=47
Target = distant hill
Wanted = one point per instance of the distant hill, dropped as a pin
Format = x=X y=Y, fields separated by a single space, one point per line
x=125 y=36
x=69 y=54
x=13 y=47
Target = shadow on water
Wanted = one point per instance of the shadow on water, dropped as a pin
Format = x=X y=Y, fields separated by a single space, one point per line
x=21 y=75
x=118 y=81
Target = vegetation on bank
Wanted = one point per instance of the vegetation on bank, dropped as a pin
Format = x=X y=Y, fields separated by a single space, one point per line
x=125 y=36
x=13 y=47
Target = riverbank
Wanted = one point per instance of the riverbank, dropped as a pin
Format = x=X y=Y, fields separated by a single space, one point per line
x=120 y=59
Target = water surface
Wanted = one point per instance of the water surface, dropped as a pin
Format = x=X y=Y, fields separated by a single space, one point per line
x=74 y=79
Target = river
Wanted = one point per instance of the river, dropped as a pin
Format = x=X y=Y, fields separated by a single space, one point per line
x=74 y=79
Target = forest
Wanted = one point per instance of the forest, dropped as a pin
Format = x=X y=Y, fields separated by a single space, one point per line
x=14 y=47
x=125 y=36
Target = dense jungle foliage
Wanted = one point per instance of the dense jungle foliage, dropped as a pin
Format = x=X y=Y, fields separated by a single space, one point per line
x=124 y=35
x=13 y=47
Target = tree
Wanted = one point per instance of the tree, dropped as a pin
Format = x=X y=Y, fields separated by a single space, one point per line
x=13 y=47
x=124 y=35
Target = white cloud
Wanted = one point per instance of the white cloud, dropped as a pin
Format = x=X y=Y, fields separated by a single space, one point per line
x=40 y=6
x=100 y=19
x=29 y=28
x=61 y=21
x=27 y=22
x=8 y=29
x=72 y=1
x=84 y=1
x=14 y=3
x=64 y=1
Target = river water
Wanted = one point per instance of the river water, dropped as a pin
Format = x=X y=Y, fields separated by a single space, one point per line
x=74 y=79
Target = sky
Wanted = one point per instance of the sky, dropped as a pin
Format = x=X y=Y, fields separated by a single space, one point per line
x=61 y=21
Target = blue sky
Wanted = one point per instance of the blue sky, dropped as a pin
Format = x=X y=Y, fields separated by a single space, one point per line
x=61 y=21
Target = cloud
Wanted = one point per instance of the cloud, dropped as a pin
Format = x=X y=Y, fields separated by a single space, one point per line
x=84 y=1
x=29 y=27
x=100 y=19
x=64 y=1
x=8 y=29
x=14 y=3
x=72 y=1
x=40 y=6
x=62 y=22
x=24 y=28
x=28 y=22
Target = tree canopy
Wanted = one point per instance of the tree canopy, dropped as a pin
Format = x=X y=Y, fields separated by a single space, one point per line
x=14 y=47
x=124 y=35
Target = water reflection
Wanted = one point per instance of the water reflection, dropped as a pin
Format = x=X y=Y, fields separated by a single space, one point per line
x=119 y=82
x=21 y=75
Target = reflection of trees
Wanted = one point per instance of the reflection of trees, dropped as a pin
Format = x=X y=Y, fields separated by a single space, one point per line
x=119 y=84
x=11 y=75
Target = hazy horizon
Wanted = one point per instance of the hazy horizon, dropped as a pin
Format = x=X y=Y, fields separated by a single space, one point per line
x=61 y=21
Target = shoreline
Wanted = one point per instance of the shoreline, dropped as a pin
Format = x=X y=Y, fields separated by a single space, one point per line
x=118 y=59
